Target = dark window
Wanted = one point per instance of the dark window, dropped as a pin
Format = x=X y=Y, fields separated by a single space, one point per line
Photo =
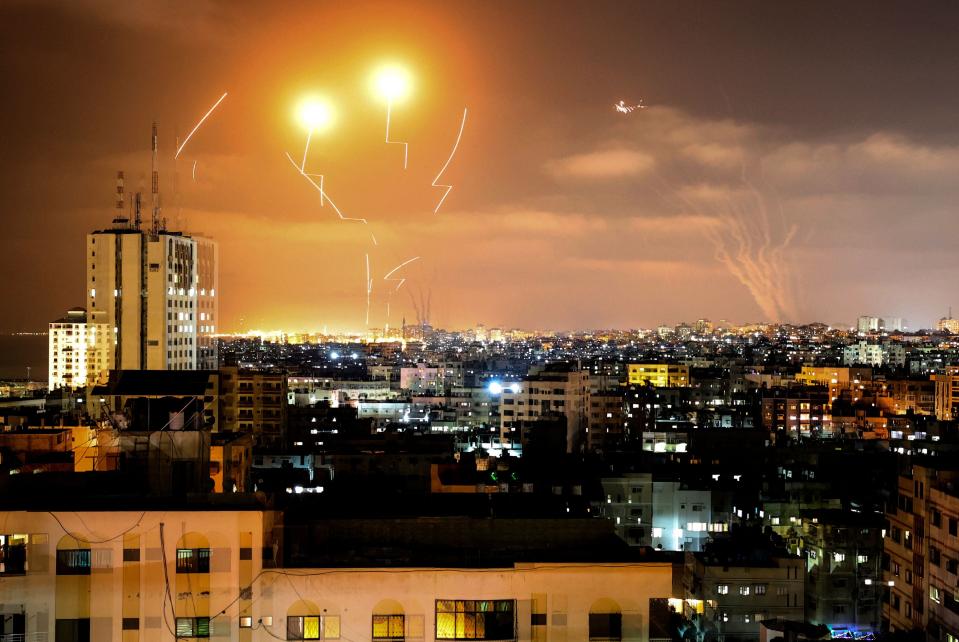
x=192 y=560
x=953 y=526
x=131 y=555
x=193 y=627
x=389 y=627
x=73 y=562
x=246 y=553
x=605 y=626
x=537 y=619
x=475 y=620
x=73 y=630
x=131 y=624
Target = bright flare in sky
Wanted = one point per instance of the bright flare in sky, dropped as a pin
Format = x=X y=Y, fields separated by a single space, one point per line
x=315 y=114
x=392 y=83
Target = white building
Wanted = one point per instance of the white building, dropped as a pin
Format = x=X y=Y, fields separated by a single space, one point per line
x=542 y=394
x=71 y=344
x=661 y=513
x=423 y=378
x=867 y=324
x=876 y=355
x=152 y=297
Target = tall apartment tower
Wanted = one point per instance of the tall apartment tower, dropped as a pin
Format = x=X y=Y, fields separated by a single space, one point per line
x=151 y=293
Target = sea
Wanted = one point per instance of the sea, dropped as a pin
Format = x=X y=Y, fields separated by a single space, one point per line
x=21 y=351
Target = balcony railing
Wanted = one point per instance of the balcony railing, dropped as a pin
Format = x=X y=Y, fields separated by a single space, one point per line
x=23 y=637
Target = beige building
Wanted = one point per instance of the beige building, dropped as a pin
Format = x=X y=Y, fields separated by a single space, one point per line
x=922 y=547
x=131 y=575
x=153 y=575
x=947 y=394
x=151 y=297
x=543 y=394
x=254 y=402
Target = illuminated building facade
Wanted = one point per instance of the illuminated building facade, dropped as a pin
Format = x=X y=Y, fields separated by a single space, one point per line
x=156 y=575
x=541 y=395
x=658 y=375
x=72 y=344
x=947 y=394
x=151 y=297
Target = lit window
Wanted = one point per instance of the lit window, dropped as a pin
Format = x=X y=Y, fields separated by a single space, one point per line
x=389 y=627
x=722 y=589
x=475 y=620
x=192 y=560
x=193 y=627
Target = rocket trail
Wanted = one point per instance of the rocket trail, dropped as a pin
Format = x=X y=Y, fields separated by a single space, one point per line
x=190 y=135
x=401 y=280
x=324 y=195
x=447 y=163
x=406 y=146
x=369 y=289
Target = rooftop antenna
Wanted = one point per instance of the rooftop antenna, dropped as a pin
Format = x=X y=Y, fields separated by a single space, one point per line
x=119 y=203
x=155 y=222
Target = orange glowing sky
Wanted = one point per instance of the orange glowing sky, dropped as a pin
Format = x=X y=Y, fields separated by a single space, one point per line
x=564 y=214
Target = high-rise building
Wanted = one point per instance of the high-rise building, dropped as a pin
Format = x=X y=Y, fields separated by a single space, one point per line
x=71 y=343
x=155 y=291
x=151 y=293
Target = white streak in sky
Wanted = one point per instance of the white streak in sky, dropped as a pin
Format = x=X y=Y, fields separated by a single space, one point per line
x=401 y=280
x=447 y=163
x=406 y=146
x=324 y=195
x=205 y=116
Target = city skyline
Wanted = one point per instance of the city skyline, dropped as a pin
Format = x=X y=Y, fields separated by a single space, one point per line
x=833 y=156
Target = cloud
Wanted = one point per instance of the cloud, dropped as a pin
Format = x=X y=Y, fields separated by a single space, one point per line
x=608 y=164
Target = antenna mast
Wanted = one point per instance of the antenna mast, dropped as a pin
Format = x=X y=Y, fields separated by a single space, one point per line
x=119 y=202
x=155 y=223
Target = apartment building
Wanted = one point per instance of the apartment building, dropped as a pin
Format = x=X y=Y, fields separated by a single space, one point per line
x=739 y=590
x=558 y=391
x=192 y=575
x=658 y=375
x=922 y=552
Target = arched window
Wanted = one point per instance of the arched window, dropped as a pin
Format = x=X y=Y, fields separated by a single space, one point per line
x=192 y=586
x=389 y=622
x=305 y=621
x=605 y=621
x=193 y=554
x=73 y=556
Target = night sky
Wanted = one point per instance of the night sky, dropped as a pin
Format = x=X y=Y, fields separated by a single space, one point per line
x=795 y=162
